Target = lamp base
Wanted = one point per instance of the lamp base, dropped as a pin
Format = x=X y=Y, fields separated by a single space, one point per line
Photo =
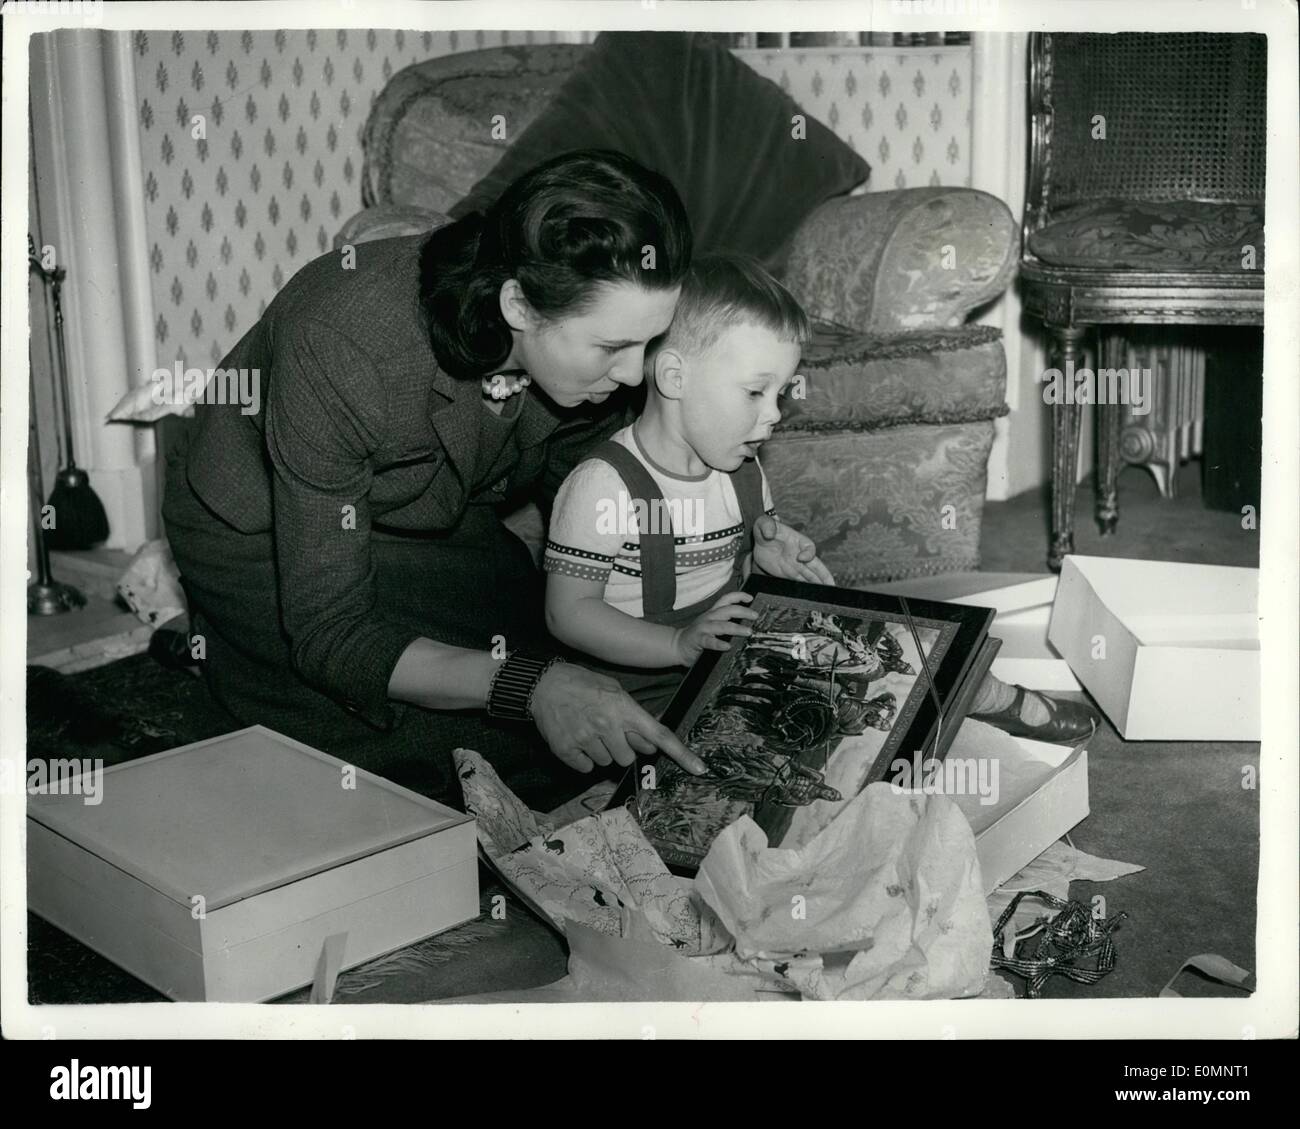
x=53 y=598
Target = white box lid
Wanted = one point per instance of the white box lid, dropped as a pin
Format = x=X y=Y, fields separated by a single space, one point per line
x=1170 y=602
x=237 y=815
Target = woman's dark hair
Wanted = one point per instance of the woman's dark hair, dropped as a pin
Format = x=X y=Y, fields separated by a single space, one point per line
x=578 y=220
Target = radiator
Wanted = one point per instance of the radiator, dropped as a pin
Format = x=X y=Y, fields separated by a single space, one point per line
x=1172 y=431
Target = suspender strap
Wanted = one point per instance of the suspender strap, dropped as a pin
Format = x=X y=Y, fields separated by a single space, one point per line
x=658 y=551
x=658 y=560
x=747 y=481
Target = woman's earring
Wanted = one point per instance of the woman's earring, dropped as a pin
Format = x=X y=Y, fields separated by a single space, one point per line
x=502 y=386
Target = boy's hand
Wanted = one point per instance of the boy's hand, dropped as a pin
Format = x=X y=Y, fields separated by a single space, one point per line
x=711 y=631
x=780 y=550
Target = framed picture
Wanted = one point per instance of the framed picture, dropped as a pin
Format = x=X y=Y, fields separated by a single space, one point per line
x=829 y=691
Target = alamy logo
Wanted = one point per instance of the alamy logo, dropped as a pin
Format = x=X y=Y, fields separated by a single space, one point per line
x=59 y=777
x=944 y=7
x=953 y=776
x=626 y=515
x=89 y=11
x=214 y=386
x=102 y=1083
x=1105 y=386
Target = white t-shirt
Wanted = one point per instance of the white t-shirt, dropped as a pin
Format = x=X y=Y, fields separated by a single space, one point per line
x=595 y=528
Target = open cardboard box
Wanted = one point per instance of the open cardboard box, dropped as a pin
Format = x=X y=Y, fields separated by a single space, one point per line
x=1170 y=651
x=1026 y=657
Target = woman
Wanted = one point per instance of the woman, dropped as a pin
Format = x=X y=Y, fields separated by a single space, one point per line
x=347 y=571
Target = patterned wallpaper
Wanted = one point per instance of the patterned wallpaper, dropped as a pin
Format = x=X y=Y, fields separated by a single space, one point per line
x=232 y=216
x=907 y=111
x=233 y=209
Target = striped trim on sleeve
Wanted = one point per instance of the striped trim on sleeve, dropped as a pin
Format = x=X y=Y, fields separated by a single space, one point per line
x=581 y=563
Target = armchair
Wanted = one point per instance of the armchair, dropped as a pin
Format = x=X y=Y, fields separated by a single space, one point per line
x=884 y=461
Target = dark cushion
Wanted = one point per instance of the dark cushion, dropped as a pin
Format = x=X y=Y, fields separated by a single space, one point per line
x=1174 y=235
x=686 y=107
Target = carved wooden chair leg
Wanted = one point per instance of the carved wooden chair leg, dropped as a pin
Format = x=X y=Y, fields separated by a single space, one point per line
x=1111 y=353
x=1065 y=450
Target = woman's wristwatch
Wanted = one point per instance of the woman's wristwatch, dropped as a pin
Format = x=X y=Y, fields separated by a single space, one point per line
x=510 y=693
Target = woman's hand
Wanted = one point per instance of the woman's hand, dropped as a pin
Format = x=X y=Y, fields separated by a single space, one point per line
x=589 y=719
x=710 y=631
x=780 y=550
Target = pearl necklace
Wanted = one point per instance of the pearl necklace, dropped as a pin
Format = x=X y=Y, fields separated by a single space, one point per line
x=503 y=385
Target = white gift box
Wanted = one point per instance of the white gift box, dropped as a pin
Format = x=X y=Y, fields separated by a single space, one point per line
x=220 y=870
x=1026 y=657
x=1042 y=795
x=1170 y=651
x=1009 y=836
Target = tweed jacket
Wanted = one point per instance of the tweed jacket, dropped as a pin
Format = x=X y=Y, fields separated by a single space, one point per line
x=359 y=428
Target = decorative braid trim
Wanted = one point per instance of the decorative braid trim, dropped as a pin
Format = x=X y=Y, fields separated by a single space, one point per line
x=935 y=566
x=934 y=419
x=865 y=347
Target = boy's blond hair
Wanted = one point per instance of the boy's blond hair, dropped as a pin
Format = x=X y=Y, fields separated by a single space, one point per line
x=723 y=291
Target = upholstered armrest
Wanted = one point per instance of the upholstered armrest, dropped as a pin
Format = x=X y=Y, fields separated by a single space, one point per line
x=912 y=259
x=384 y=221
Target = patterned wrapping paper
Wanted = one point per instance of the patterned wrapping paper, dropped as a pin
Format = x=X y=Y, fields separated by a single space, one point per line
x=909 y=924
x=598 y=871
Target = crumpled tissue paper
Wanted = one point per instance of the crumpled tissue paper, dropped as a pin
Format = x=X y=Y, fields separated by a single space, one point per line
x=886 y=903
x=889 y=895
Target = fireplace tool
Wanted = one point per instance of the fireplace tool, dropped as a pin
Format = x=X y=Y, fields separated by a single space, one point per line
x=45 y=595
x=79 y=514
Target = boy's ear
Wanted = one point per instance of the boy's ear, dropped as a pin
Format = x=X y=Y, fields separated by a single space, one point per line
x=514 y=306
x=669 y=374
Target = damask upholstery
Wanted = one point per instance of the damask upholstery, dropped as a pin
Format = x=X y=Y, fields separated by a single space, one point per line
x=429 y=137
x=897 y=502
x=1166 y=235
x=884 y=460
x=903 y=260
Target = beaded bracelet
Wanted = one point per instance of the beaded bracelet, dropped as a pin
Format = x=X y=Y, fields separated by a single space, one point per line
x=510 y=693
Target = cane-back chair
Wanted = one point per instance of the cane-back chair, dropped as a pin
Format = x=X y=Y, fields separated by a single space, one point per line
x=1144 y=206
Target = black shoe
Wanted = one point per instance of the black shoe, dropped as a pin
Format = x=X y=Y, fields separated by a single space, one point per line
x=1069 y=722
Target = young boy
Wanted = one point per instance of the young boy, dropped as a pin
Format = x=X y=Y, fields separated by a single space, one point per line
x=652 y=535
